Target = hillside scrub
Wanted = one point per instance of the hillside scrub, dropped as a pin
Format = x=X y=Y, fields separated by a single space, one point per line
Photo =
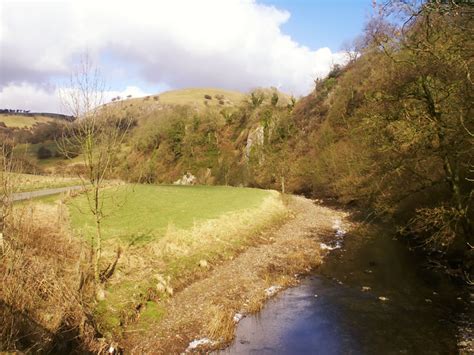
x=392 y=132
x=397 y=130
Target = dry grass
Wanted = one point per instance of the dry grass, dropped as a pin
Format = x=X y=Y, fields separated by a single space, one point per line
x=255 y=302
x=221 y=324
x=40 y=304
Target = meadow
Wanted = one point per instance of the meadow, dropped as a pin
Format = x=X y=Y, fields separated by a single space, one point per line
x=169 y=235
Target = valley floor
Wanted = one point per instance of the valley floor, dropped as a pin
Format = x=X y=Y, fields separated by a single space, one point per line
x=208 y=309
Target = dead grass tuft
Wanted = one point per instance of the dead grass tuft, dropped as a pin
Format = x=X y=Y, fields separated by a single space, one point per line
x=221 y=325
x=255 y=302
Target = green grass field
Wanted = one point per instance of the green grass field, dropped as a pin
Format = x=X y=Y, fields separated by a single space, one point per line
x=150 y=210
x=19 y=121
x=164 y=232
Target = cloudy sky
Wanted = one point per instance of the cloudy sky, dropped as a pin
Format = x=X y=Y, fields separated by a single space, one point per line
x=145 y=47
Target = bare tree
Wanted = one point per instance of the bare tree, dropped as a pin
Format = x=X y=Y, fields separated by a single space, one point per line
x=96 y=136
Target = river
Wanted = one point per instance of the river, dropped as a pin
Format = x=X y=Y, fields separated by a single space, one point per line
x=371 y=296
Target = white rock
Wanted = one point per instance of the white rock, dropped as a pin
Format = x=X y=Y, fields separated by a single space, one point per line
x=336 y=224
x=187 y=179
x=272 y=290
x=324 y=246
x=238 y=317
x=366 y=288
x=199 y=342
x=383 y=299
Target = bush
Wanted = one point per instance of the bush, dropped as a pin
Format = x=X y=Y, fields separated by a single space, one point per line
x=208 y=97
x=44 y=153
x=275 y=98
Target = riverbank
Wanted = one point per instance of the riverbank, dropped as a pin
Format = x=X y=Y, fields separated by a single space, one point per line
x=372 y=295
x=203 y=315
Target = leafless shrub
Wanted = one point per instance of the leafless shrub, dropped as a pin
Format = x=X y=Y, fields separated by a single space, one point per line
x=436 y=227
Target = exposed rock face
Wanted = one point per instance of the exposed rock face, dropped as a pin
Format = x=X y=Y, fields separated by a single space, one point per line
x=187 y=179
x=255 y=138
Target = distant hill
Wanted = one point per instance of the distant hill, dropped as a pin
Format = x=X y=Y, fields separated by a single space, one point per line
x=29 y=119
x=198 y=98
x=201 y=97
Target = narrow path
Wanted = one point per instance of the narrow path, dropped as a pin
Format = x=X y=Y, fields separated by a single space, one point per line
x=20 y=196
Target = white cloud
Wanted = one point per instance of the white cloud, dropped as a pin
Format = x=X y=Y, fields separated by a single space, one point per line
x=223 y=43
x=28 y=96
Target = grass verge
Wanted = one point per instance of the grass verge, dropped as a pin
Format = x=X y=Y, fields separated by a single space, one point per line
x=30 y=182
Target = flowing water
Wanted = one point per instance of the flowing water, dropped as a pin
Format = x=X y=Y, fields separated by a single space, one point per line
x=371 y=296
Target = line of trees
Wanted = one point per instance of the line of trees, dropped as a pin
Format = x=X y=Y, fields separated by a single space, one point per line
x=6 y=110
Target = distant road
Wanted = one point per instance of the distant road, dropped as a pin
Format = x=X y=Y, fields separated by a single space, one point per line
x=46 y=192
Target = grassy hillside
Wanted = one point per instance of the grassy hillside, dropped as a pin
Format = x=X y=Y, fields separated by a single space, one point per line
x=196 y=97
x=193 y=97
x=20 y=121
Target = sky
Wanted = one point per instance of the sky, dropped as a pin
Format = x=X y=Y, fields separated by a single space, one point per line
x=144 y=47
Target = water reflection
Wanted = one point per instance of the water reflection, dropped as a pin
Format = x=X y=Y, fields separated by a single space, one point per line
x=331 y=312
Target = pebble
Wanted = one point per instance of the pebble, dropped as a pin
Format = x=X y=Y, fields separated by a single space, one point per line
x=366 y=288
x=272 y=290
x=238 y=317
x=384 y=299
